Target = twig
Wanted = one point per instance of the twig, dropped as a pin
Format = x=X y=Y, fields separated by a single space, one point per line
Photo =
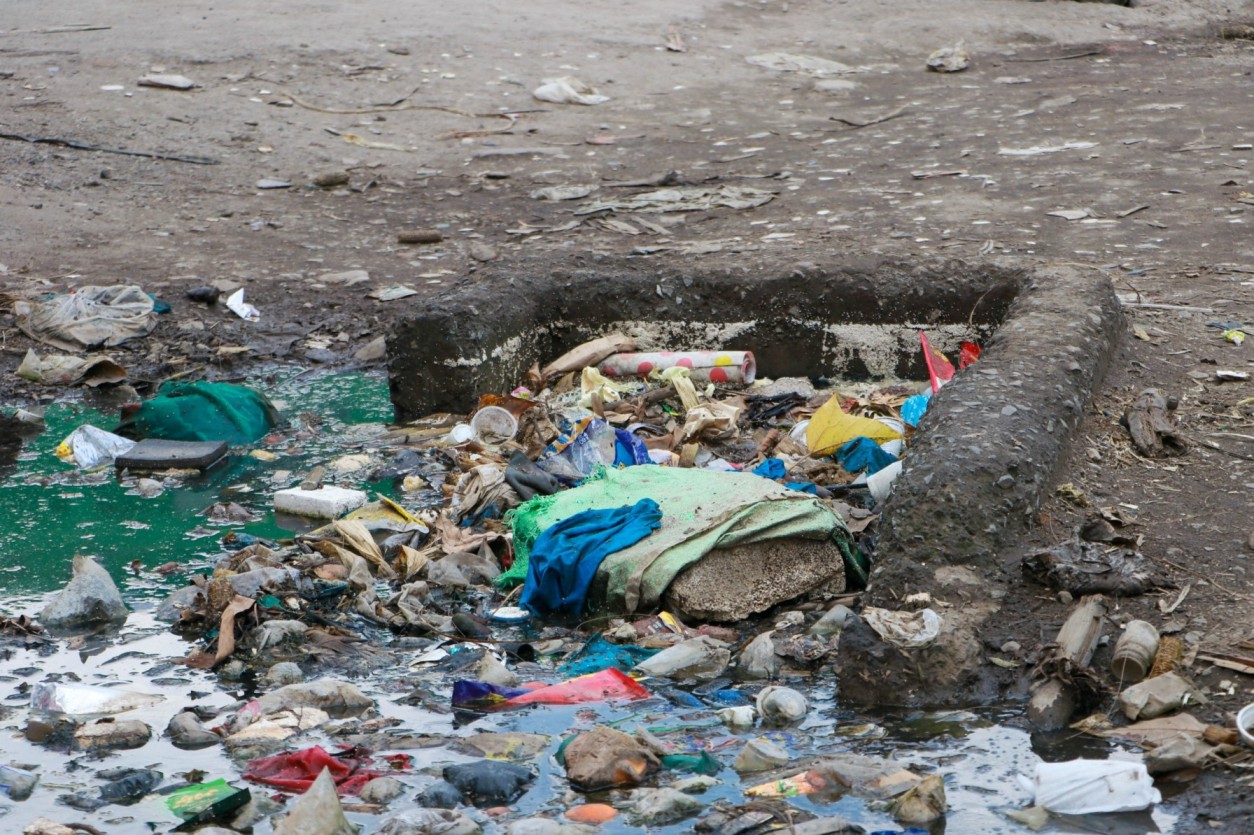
x=854 y=123
x=83 y=146
x=1182 y=307
x=58 y=30
x=1085 y=54
x=1218 y=448
x=400 y=104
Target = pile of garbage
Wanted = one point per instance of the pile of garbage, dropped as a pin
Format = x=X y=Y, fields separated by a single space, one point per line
x=662 y=533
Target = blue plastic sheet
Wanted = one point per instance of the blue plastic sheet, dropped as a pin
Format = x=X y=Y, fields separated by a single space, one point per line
x=629 y=451
x=863 y=454
x=599 y=654
x=912 y=410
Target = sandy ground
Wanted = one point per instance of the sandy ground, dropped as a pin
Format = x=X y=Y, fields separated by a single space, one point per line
x=1145 y=115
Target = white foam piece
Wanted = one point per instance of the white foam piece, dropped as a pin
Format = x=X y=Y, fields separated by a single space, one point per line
x=327 y=502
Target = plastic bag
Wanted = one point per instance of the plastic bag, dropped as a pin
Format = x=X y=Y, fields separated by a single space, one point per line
x=597 y=687
x=913 y=409
x=599 y=654
x=88 y=699
x=297 y=770
x=575 y=455
x=568 y=90
x=1086 y=787
x=863 y=454
x=832 y=427
x=939 y=368
x=88 y=447
x=89 y=317
x=908 y=630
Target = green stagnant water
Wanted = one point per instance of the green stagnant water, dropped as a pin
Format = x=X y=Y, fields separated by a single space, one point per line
x=49 y=511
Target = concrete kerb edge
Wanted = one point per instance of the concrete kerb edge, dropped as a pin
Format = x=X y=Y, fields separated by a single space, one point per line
x=993 y=444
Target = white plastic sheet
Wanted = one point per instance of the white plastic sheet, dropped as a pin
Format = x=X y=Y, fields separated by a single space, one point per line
x=1088 y=787
x=89 y=317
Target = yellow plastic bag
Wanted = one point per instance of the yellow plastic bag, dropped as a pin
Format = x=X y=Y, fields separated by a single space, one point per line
x=832 y=427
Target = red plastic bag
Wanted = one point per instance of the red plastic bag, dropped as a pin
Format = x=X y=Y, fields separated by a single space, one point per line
x=939 y=368
x=296 y=770
x=968 y=352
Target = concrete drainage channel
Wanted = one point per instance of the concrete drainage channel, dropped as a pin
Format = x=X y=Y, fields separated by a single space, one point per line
x=988 y=447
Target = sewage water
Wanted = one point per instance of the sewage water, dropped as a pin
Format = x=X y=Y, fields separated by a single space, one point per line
x=49 y=511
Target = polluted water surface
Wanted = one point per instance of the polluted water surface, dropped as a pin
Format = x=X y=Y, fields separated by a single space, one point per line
x=52 y=512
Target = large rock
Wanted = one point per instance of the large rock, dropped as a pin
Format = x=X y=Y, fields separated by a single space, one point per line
x=89 y=599
x=732 y=584
x=603 y=758
x=318 y=812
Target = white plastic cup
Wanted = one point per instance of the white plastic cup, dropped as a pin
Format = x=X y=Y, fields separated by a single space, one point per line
x=881 y=483
x=494 y=425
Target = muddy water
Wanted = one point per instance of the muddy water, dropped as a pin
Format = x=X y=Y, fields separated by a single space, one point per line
x=50 y=512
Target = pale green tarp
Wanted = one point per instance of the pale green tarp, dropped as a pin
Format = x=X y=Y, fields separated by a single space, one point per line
x=702 y=510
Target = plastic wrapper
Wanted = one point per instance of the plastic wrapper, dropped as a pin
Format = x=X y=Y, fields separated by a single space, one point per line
x=88 y=700
x=737 y=367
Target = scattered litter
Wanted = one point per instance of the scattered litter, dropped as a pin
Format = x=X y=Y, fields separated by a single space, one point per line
x=1037 y=150
x=235 y=302
x=1087 y=787
x=807 y=64
x=568 y=90
x=63 y=369
x=908 y=630
x=391 y=294
x=168 y=82
x=556 y=193
x=683 y=199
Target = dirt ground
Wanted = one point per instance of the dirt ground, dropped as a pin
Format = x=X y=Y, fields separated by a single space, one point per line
x=1154 y=102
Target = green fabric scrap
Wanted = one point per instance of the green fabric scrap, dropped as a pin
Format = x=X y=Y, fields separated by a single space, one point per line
x=703 y=510
x=203 y=411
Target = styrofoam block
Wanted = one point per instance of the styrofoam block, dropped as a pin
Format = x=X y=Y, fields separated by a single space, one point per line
x=326 y=502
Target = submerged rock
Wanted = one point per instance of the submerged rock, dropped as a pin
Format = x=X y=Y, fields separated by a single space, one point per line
x=185 y=731
x=109 y=734
x=338 y=698
x=654 y=807
x=382 y=790
x=429 y=822
x=90 y=598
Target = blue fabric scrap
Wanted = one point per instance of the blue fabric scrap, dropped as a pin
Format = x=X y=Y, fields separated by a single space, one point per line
x=862 y=453
x=565 y=557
